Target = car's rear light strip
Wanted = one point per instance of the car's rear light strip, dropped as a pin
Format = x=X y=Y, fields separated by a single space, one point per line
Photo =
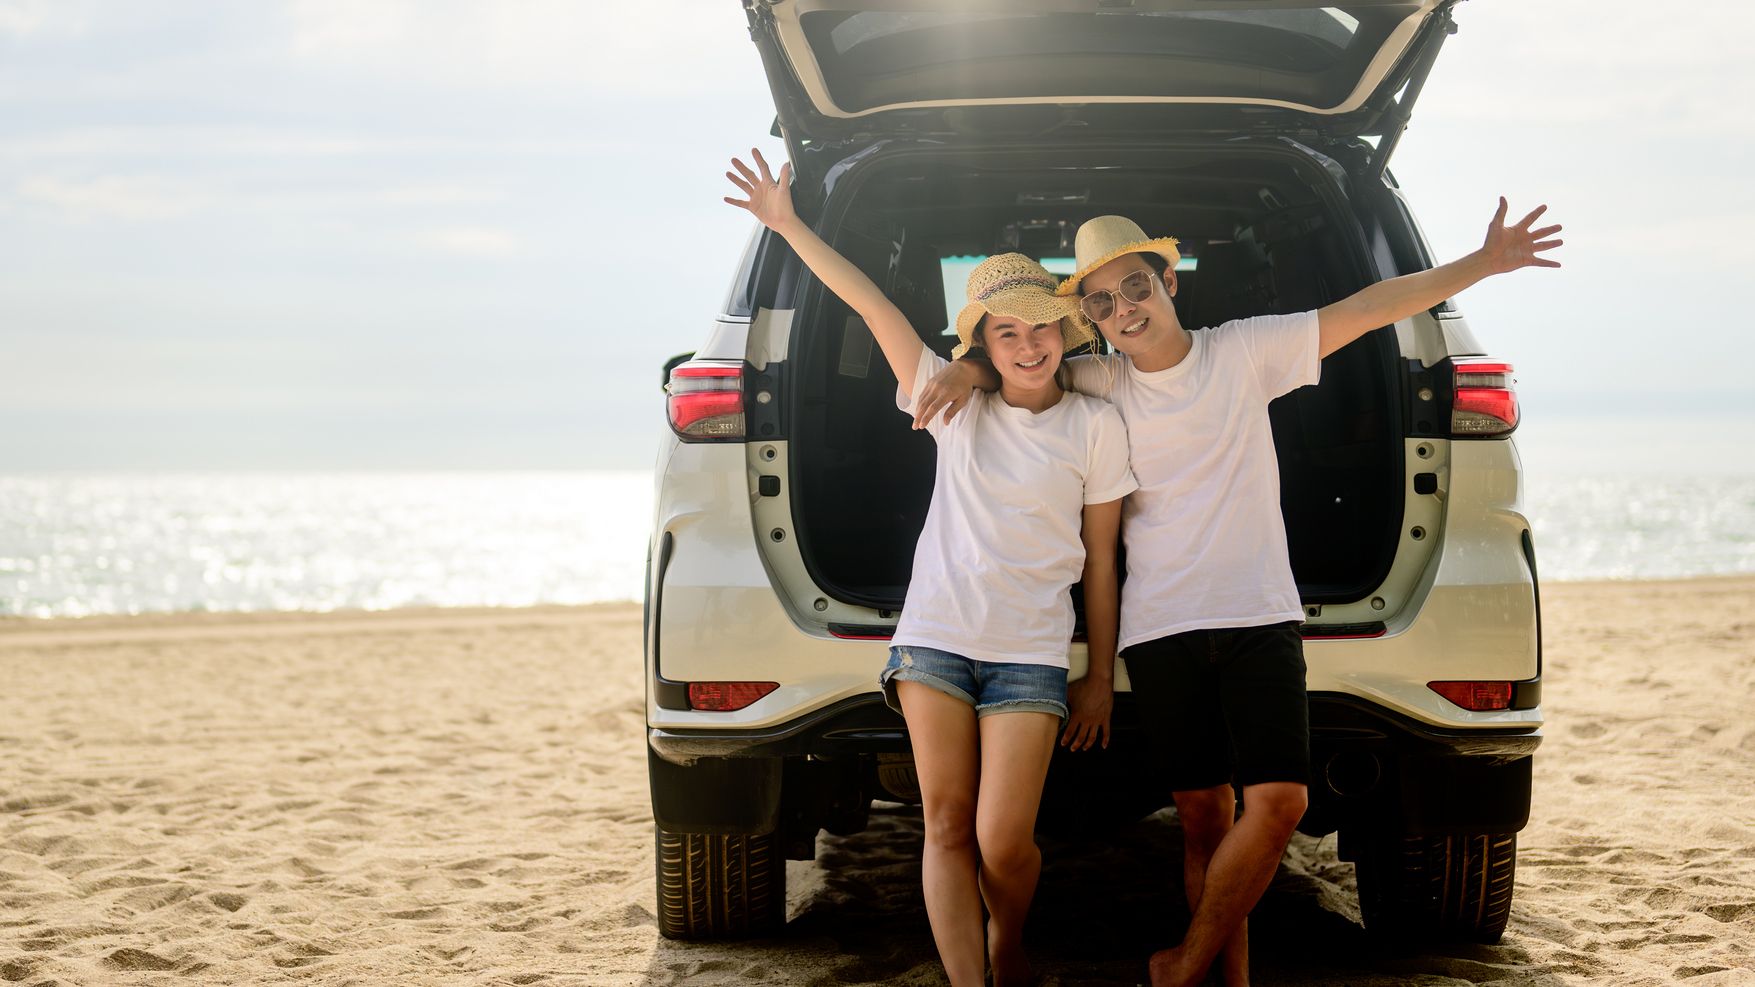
x=1343 y=632
x=705 y=401
x=1478 y=696
x=862 y=632
x=724 y=697
x=1484 y=401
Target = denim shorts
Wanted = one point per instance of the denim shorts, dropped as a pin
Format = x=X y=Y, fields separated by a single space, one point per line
x=989 y=686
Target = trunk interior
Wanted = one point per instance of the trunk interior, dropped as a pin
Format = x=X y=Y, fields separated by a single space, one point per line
x=1257 y=237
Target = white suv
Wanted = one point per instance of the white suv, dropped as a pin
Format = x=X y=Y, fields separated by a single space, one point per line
x=790 y=490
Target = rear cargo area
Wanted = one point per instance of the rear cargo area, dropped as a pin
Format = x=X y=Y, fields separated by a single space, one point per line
x=1259 y=235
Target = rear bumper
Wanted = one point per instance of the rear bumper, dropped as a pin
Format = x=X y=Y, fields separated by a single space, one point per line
x=864 y=725
x=1377 y=771
x=860 y=725
x=1373 y=771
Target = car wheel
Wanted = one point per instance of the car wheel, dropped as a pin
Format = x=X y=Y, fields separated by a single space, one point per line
x=719 y=886
x=1439 y=888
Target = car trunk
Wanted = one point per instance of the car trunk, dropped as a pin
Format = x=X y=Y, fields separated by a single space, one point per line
x=1118 y=69
x=1263 y=228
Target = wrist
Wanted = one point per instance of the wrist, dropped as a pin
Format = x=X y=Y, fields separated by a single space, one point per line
x=1479 y=265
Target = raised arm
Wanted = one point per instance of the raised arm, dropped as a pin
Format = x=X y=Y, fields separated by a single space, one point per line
x=1091 y=699
x=1507 y=248
x=770 y=201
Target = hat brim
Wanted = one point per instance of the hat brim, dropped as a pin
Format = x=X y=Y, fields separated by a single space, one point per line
x=1034 y=306
x=1164 y=247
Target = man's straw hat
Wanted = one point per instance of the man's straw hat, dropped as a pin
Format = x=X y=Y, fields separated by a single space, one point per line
x=1105 y=238
x=1015 y=285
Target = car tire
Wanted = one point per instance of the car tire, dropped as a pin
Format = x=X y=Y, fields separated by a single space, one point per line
x=714 y=886
x=1439 y=888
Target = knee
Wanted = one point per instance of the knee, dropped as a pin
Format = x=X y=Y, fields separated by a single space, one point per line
x=1206 y=818
x=1007 y=849
x=1279 y=805
x=951 y=827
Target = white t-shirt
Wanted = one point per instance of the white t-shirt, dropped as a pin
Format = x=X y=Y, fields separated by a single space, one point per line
x=1000 y=549
x=1206 y=543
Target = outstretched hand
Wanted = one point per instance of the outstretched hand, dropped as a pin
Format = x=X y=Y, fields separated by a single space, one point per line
x=770 y=198
x=1508 y=248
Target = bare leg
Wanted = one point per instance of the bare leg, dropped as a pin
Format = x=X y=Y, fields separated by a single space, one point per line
x=1207 y=815
x=1015 y=750
x=947 y=760
x=1240 y=870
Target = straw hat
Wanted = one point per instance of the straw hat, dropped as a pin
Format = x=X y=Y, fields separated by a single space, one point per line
x=1015 y=285
x=1105 y=238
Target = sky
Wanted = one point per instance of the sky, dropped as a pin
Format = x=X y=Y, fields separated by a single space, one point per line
x=325 y=234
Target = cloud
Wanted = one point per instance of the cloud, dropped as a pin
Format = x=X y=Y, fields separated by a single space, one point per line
x=621 y=50
x=198 y=141
x=477 y=241
x=43 y=18
x=131 y=197
x=204 y=141
x=441 y=194
x=1563 y=62
x=1695 y=244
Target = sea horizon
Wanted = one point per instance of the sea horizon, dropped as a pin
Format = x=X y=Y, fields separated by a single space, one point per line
x=88 y=543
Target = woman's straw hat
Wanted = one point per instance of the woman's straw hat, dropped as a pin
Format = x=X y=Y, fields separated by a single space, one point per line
x=1015 y=285
x=1105 y=238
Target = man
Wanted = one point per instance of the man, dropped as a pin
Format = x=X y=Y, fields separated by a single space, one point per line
x=1210 y=611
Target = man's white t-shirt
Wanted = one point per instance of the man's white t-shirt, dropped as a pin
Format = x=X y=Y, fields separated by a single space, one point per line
x=1001 y=549
x=1206 y=543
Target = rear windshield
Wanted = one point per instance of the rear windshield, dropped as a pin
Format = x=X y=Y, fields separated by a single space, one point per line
x=1310 y=56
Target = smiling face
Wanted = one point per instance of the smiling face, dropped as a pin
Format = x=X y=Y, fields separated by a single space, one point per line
x=1025 y=355
x=1135 y=328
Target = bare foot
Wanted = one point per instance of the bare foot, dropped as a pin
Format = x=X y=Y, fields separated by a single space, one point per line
x=1168 y=968
x=1006 y=960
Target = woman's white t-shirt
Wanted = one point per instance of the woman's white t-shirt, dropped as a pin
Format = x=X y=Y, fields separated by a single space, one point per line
x=1206 y=543
x=1001 y=549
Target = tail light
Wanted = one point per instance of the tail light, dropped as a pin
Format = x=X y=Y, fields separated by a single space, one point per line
x=1478 y=696
x=1484 y=401
x=723 y=697
x=705 y=401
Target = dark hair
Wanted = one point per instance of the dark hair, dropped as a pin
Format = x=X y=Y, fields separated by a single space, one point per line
x=1156 y=261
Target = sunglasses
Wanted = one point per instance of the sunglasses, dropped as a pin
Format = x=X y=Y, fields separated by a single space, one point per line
x=1100 y=304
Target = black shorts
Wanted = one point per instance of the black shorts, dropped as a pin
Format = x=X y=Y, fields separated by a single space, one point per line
x=1225 y=704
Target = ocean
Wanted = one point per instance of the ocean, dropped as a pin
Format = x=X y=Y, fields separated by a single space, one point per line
x=140 y=543
x=77 y=545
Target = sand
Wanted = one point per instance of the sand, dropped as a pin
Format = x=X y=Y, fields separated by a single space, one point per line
x=459 y=797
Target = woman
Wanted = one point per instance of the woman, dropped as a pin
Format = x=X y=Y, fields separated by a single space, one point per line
x=1026 y=500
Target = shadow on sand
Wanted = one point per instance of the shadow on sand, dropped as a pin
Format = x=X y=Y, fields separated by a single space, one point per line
x=1104 y=903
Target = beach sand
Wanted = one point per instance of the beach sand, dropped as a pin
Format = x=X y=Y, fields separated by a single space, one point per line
x=459 y=797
